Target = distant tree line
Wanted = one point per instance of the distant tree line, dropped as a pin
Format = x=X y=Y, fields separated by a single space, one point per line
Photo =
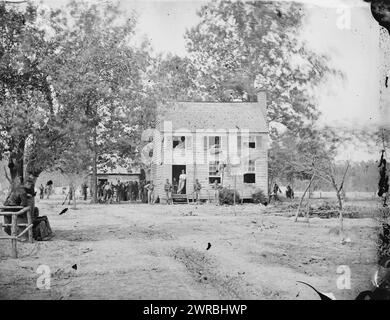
x=361 y=177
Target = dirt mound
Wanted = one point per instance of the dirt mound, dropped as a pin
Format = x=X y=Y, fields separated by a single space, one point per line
x=204 y=270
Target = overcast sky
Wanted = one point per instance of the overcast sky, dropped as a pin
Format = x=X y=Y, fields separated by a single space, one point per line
x=344 y=30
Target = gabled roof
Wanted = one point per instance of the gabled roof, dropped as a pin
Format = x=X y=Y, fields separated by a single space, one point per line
x=215 y=115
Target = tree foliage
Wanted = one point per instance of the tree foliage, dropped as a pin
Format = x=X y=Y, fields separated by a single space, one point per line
x=98 y=76
x=31 y=127
x=240 y=47
x=73 y=84
x=173 y=78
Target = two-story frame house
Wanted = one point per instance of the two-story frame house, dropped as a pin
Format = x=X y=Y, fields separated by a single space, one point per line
x=212 y=141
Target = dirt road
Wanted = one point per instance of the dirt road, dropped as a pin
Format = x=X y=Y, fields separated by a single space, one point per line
x=137 y=251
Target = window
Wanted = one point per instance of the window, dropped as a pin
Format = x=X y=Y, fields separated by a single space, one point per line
x=214 y=145
x=215 y=141
x=249 y=178
x=212 y=180
x=252 y=166
x=251 y=142
x=214 y=173
x=214 y=168
x=179 y=142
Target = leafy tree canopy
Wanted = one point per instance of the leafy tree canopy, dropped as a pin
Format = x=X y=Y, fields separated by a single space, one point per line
x=240 y=47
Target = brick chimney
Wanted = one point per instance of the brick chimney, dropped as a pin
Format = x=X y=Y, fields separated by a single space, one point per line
x=262 y=101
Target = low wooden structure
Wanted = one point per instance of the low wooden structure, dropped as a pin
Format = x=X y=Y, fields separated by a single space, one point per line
x=14 y=237
x=180 y=198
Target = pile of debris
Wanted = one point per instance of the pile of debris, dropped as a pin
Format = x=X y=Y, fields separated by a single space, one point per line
x=324 y=210
x=327 y=210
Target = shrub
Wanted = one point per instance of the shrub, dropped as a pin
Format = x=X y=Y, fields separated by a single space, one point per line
x=259 y=197
x=226 y=196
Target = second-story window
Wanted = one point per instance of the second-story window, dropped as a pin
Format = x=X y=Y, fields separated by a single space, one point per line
x=179 y=142
x=215 y=145
x=215 y=141
x=250 y=142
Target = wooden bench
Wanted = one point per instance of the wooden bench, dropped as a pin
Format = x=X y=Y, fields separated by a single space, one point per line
x=14 y=237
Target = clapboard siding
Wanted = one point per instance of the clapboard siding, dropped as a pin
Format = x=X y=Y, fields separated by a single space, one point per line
x=197 y=122
x=162 y=170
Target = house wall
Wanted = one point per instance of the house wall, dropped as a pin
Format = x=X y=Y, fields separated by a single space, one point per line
x=158 y=173
x=200 y=171
x=197 y=158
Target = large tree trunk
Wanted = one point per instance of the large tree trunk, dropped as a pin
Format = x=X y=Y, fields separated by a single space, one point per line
x=22 y=183
x=16 y=163
x=24 y=167
x=15 y=166
x=94 y=169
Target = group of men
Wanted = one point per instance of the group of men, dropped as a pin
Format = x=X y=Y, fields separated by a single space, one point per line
x=46 y=190
x=169 y=189
x=119 y=191
x=276 y=190
x=109 y=192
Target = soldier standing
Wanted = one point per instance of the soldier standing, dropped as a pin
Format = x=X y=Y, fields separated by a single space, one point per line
x=168 y=191
x=84 y=187
x=197 y=188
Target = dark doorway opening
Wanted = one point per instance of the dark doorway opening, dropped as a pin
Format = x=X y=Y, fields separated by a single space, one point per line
x=176 y=172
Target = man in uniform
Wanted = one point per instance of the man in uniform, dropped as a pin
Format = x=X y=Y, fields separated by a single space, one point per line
x=175 y=185
x=23 y=195
x=135 y=191
x=216 y=188
x=150 y=188
x=276 y=190
x=84 y=187
x=197 y=188
x=168 y=191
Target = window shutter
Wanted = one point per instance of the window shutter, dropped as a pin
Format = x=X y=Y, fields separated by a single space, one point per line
x=259 y=142
x=189 y=142
x=239 y=146
x=224 y=143
x=205 y=148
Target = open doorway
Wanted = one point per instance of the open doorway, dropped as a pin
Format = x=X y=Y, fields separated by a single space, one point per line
x=176 y=172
